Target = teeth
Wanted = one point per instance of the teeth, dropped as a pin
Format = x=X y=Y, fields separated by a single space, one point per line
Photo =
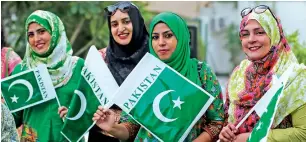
x=254 y=48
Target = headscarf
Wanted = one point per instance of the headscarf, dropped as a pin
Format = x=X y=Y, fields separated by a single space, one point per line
x=180 y=59
x=122 y=59
x=252 y=79
x=58 y=58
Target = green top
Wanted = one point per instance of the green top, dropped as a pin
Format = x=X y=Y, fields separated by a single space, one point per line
x=296 y=133
x=41 y=123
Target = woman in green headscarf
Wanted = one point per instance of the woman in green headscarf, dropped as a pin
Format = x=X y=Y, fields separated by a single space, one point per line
x=169 y=41
x=48 y=44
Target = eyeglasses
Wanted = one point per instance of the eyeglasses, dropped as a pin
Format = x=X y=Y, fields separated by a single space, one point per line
x=258 y=9
x=122 y=6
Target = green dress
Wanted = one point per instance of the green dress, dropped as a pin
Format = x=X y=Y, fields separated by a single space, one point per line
x=41 y=123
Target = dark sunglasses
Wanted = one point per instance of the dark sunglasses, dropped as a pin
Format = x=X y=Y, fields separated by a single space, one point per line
x=122 y=6
x=258 y=9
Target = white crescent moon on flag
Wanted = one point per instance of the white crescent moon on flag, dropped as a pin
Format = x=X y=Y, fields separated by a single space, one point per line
x=83 y=106
x=25 y=83
x=156 y=108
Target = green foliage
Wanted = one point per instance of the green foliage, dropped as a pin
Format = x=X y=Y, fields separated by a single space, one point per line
x=233 y=44
x=298 y=49
x=84 y=21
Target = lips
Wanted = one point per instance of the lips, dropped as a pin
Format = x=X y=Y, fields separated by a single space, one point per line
x=40 y=45
x=254 y=48
x=123 y=35
x=163 y=51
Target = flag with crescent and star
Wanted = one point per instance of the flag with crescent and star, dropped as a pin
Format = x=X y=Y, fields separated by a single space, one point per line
x=96 y=87
x=27 y=89
x=161 y=100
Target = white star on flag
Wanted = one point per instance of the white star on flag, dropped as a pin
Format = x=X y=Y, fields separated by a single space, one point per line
x=259 y=126
x=14 y=99
x=177 y=103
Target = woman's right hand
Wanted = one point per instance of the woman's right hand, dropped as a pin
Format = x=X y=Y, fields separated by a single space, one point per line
x=106 y=118
x=227 y=133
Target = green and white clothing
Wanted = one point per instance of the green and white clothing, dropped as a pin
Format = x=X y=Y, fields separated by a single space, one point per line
x=41 y=123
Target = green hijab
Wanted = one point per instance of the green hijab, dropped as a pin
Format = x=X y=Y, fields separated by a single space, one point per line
x=180 y=59
x=58 y=58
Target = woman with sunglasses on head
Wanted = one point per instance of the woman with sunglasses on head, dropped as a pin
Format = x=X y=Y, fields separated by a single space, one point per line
x=127 y=45
x=169 y=41
x=268 y=53
x=47 y=44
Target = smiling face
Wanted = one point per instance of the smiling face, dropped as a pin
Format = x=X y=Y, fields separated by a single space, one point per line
x=163 y=41
x=39 y=38
x=121 y=27
x=255 y=42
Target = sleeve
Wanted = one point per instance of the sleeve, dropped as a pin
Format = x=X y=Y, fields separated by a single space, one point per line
x=13 y=60
x=215 y=113
x=131 y=125
x=295 y=133
x=103 y=53
x=8 y=131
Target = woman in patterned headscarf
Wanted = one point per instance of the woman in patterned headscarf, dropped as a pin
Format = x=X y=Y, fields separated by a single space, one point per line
x=169 y=41
x=268 y=53
x=48 y=44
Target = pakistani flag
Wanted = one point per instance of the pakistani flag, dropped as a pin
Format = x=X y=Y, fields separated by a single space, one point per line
x=95 y=88
x=28 y=88
x=160 y=99
x=267 y=107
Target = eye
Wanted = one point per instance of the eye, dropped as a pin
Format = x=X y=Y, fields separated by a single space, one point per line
x=155 y=37
x=30 y=34
x=126 y=21
x=114 y=25
x=260 y=33
x=244 y=34
x=41 y=31
x=168 y=35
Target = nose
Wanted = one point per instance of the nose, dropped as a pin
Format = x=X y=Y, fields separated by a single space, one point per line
x=252 y=38
x=161 y=41
x=36 y=38
x=121 y=27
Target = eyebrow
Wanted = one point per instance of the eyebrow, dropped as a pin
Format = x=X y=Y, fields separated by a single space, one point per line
x=169 y=31
x=38 y=30
x=125 y=18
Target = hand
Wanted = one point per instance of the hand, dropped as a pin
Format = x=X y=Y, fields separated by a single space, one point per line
x=243 y=137
x=106 y=118
x=62 y=111
x=228 y=133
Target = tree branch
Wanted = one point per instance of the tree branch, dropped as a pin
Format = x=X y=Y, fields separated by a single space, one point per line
x=77 y=31
x=84 y=48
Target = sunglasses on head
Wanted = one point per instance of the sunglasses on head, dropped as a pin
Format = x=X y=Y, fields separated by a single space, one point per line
x=122 y=6
x=258 y=9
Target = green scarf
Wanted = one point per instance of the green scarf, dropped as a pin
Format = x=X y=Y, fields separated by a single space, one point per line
x=180 y=59
x=58 y=57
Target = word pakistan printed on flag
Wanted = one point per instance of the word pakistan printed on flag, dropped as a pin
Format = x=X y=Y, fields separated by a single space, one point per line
x=27 y=89
x=161 y=100
x=94 y=89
